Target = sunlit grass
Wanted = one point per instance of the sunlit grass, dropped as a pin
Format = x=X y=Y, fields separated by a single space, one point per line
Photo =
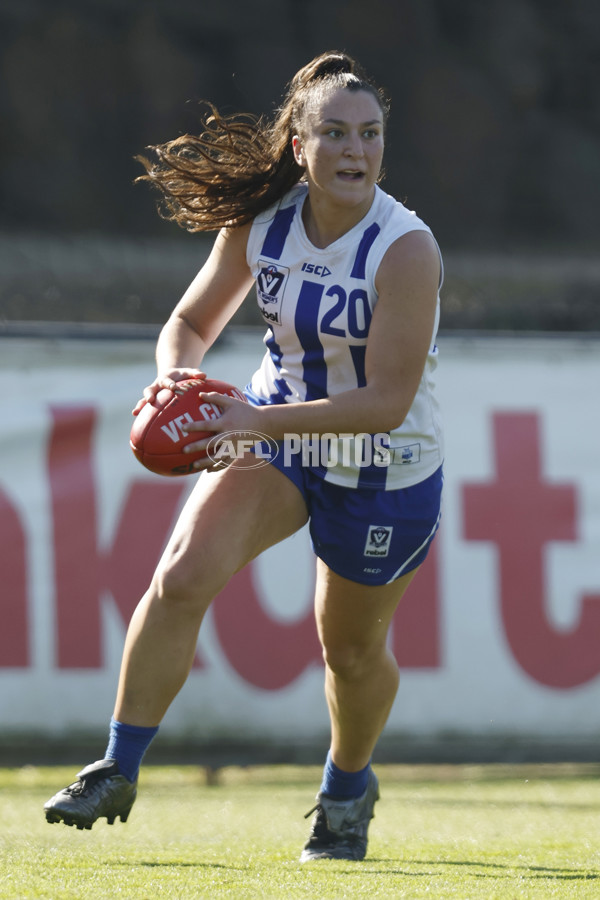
x=439 y=832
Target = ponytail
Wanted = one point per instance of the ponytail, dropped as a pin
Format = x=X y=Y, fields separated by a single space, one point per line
x=240 y=165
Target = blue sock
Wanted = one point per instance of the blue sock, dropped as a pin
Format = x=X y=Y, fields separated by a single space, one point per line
x=128 y=744
x=343 y=785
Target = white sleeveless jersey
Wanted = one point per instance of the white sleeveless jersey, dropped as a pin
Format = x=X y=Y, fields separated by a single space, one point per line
x=318 y=304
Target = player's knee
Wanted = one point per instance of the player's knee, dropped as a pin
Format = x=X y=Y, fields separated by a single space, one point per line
x=350 y=661
x=180 y=587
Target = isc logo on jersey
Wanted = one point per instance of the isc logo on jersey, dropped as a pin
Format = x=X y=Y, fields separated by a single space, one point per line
x=321 y=271
x=270 y=287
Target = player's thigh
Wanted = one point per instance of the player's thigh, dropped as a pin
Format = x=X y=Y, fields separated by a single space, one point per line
x=354 y=618
x=231 y=516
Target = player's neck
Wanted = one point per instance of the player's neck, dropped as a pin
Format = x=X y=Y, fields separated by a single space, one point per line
x=326 y=222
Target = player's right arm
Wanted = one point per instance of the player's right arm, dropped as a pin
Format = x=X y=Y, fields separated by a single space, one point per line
x=210 y=301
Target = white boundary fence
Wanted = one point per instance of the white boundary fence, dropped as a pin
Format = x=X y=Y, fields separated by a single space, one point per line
x=498 y=640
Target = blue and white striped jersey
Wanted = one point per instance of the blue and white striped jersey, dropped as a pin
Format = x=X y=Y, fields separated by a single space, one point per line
x=318 y=305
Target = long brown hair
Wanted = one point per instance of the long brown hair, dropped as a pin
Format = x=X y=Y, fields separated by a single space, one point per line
x=239 y=165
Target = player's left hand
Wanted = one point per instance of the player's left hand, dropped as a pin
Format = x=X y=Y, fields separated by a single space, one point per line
x=236 y=416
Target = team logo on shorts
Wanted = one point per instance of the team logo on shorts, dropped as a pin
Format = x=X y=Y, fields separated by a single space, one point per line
x=270 y=285
x=379 y=538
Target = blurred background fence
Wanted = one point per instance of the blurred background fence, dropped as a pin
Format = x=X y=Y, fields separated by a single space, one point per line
x=104 y=279
x=494 y=139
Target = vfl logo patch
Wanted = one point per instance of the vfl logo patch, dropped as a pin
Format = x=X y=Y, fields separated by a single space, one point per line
x=379 y=538
x=270 y=286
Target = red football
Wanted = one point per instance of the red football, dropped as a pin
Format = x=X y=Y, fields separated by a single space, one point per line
x=157 y=438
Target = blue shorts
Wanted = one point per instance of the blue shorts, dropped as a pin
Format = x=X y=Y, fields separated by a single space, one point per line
x=366 y=535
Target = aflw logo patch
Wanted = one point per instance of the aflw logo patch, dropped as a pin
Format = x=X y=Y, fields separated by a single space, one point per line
x=379 y=538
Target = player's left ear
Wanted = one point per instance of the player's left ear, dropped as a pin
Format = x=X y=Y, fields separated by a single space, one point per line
x=298 y=150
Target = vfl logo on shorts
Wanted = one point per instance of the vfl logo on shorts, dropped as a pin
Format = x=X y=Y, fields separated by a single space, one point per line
x=379 y=538
x=270 y=285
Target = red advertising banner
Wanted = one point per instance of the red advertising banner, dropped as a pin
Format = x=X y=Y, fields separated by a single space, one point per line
x=500 y=631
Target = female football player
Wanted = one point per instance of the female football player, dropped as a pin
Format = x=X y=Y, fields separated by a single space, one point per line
x=347 y=280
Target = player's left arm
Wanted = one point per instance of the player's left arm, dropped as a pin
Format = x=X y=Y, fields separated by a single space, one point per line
x=401 y=332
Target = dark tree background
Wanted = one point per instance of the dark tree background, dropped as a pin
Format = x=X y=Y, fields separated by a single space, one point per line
x=494 y=137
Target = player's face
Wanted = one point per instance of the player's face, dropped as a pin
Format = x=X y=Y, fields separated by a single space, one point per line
x=341 y=147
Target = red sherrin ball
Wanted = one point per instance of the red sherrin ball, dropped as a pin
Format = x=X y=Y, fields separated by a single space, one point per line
x=156 y=436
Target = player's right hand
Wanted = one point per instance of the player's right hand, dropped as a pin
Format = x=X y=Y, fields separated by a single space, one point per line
x=166 y=381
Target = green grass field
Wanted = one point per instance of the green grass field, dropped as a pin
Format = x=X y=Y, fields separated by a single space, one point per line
x=439 y=832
